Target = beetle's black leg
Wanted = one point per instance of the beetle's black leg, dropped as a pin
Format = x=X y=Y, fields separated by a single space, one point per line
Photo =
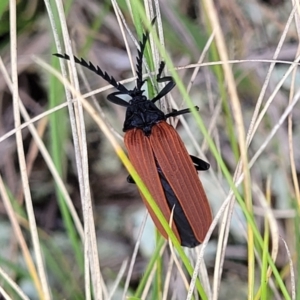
x=130 y=179
x=117 y=100
x=160 y=70
x=168 y=87
x=200 y=165
x=175 y=112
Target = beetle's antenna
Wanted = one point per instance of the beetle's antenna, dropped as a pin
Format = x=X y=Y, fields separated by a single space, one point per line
x=139 y=58
x=110 y=79
x=96 y=69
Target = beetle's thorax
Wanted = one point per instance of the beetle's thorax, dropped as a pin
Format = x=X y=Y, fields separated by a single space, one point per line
x=142 y=114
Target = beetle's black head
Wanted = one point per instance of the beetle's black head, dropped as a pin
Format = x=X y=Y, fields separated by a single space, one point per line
x=142 y=114
x=136 y=94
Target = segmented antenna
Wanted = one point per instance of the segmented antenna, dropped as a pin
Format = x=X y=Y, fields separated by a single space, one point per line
x=96 y=69
x=139 y=61
x=110 y=79
x=139 y=58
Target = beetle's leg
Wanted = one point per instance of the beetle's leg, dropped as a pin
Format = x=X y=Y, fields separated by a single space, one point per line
x=200 y=164
x=130 y=179
x=117 y=100
x=176 y=113
x=168 y=87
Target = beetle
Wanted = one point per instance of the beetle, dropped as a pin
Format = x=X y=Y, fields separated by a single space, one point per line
x=159 y=156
